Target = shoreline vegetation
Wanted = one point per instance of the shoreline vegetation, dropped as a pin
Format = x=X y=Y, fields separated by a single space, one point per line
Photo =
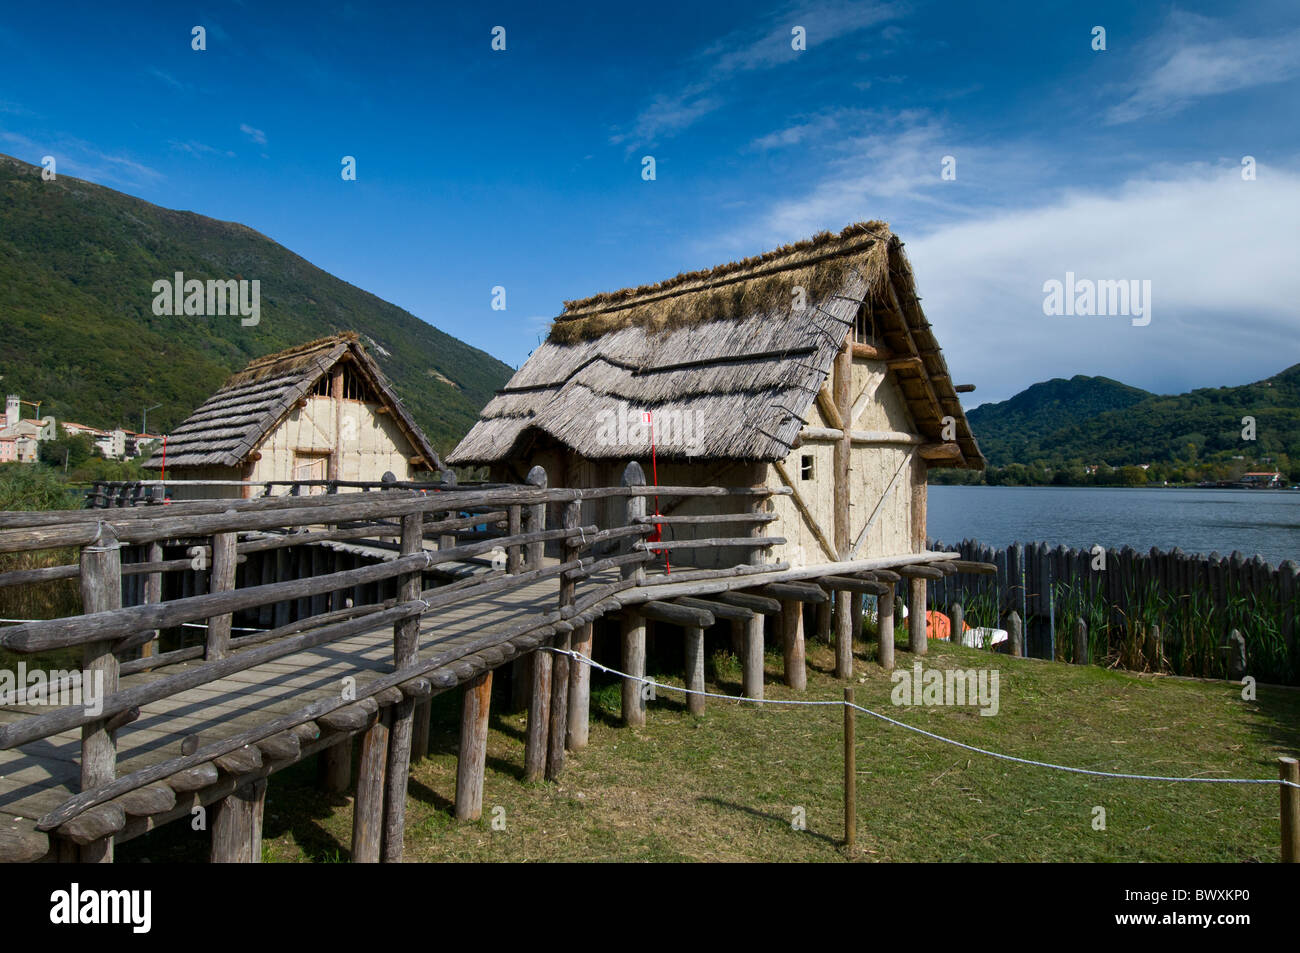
x=1129 y=477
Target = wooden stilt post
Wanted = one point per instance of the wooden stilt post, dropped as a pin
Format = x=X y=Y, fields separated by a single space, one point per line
x=752 y=664
x=539 y=717
x=796 y=671
x=237 y=826
x=917 y=627
x=406 y=637
x=336 y=767
x=420 y=730
x=368 y=806
x=850 y=771
x=695 y=668
x=101 y=591
x=633 y=622
x=580 y=689
x=561 y=667
x=824 y=619
x=521 y=682
x=472 y=760
x=1289 y=770
x=957 y=619
x=885 y=630
x=223 y=580
x=634 y=696
x=843 y=634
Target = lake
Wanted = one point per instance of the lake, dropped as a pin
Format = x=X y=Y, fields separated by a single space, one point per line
x=1263 y=522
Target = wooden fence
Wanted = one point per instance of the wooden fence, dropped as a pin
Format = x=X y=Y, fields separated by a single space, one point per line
x=1158 y=611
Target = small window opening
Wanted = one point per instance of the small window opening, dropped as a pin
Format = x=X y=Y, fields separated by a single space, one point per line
x=806 y=467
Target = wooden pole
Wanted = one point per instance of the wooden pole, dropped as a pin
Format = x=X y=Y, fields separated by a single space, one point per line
x=368 y=806
x=152 y=594
x=101 y=591
x=406 y=637
x=223 y=580
x=844 y=616
x=633 y=622
x=796 y=671
x=521 y=682
x=1288 y=769
x=539 y=717
x=536 y=519
x=1014 y=634
x=885 y=630
x=695 y=668
x=514 y=527
x=561 y=664
x=917 y=629
x=824 y=621
x=957 y=618
x=420 y=729
x=752 y=666
x=336 y=767
x=1080 y=642
x=842 y=393
x=237 y=825
x=634 y=702
x=580 y=689
x=471 y=763
x=850 y=771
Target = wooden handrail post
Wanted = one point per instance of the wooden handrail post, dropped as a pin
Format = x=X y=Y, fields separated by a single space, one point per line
x=1288 y=769
x=152 y=593
x=536 y=518
x=406 y=636
x=633 y=475
x=223 y=580
x=514 y=555
x=101 y=591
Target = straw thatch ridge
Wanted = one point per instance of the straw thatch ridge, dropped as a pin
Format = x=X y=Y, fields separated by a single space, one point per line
x=226 y=428
x=722 y=353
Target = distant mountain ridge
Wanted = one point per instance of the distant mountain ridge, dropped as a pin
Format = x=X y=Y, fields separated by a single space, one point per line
x=77 y=266
x=1092 y=420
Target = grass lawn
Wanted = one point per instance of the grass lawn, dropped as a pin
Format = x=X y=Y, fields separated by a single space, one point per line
x=728 y=785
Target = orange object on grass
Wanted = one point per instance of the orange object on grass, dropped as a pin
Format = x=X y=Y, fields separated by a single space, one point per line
x=939 y=626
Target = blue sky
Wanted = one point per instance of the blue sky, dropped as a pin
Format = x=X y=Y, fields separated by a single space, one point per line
x=522 y=168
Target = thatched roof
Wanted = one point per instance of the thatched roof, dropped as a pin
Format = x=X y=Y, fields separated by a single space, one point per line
x=230 y=424
x=726 y=348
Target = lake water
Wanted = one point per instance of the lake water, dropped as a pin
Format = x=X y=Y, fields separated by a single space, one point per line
x=1263 y=522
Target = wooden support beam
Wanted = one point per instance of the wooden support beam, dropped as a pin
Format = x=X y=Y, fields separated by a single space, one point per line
x=917 y=623
x=633 y=634
x=471 y=762
x=826 y=404
x=752 y=658
x=885 y=630
x=920 y=572
x=559 y=713
x=695 y=669
x=842 y=383
x=765 y=605
x=850 y=584
x=799 y=591
x=792 y=644
x=719 y=610
x=406 y=634
x=967 y=566
x=580 y=689
x=871 y=352
x=368 y=806
x=539 y=717
x=939 y=451
x=676 y=613
x=237 y=825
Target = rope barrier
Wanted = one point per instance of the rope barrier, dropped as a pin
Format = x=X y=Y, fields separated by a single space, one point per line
x=578 y=656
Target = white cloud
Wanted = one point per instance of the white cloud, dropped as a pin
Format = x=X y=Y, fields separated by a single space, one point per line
x=1193 y=60
x=1220 y=253
x=257 y=135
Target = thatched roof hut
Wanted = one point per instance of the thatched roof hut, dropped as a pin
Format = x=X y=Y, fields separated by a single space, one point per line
x=736 y=365
x=320 y=410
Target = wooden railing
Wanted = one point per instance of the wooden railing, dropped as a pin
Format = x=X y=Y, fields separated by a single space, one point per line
x=473 y=522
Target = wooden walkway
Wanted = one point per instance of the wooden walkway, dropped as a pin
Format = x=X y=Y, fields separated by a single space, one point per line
x=38 y=777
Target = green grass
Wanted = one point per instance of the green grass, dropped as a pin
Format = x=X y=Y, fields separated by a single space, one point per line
x=725 y=786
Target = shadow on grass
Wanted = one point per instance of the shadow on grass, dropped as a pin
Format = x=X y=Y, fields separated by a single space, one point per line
x=777 y=819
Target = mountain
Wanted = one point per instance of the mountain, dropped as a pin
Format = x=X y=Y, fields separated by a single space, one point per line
x=77 y=330
x=1089 y=420
x=1011 y=431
